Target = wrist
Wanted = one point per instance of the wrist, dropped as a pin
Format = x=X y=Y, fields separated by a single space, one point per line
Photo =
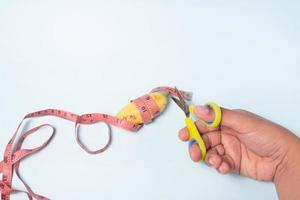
x=290 y=161
x=287 y=175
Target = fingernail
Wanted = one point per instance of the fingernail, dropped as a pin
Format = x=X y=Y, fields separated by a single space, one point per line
x=222 y=168
x=203 y=110
x=211 y=161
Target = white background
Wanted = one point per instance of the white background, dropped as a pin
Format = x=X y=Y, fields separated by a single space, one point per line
x=95 y=56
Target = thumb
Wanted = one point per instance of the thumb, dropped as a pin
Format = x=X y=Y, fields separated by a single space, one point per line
x=238 y=120
x=241 y=121
x=205 y=113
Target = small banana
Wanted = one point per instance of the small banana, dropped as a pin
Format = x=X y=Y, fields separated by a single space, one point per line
x=144 y=109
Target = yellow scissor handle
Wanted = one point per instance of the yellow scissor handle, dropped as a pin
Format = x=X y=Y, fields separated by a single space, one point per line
x=195 y=135
x=217 y=112
x=193 y=131
x=218 y=115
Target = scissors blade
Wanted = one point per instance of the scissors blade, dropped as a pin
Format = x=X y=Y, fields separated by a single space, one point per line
x=181 y=103
x=178 y=103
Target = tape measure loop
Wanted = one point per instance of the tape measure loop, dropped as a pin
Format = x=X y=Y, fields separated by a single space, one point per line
x=85 y=148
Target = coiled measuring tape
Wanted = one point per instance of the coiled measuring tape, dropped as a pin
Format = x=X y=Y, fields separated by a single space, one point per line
x=131 y=118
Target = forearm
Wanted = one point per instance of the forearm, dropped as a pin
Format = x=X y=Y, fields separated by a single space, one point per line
x=287 y=178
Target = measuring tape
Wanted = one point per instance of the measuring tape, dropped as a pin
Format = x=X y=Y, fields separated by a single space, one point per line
x=131 y=118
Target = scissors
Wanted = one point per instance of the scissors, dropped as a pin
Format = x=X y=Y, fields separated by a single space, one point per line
x=194 y=134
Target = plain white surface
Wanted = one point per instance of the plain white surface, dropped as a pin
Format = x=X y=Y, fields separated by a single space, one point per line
x=95 y=56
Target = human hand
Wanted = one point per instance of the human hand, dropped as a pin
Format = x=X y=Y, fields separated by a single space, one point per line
x=243 y=143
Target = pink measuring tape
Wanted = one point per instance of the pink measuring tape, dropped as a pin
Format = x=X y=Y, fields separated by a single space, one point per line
x=140 y=111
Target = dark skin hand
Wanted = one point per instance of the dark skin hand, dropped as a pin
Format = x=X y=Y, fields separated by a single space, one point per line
x=251 y=146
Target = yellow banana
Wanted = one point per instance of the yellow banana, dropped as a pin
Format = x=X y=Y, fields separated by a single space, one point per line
x=131 y=113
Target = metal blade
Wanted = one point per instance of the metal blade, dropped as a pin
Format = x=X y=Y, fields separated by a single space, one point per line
x=181 y=103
